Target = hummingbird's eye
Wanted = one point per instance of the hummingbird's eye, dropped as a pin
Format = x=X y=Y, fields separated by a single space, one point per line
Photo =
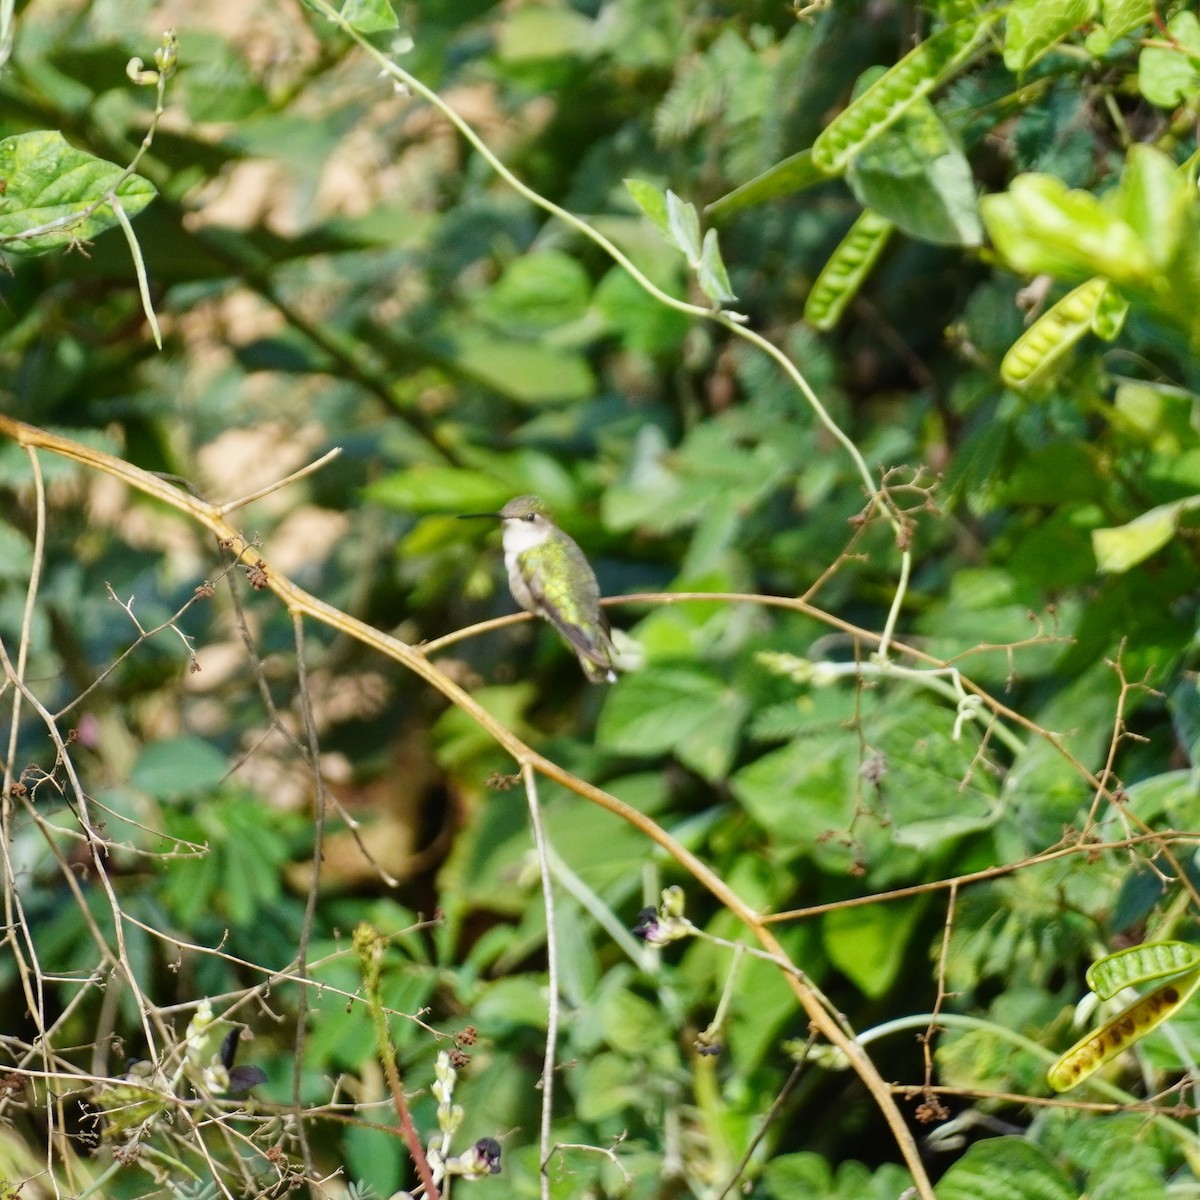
x=530 y=516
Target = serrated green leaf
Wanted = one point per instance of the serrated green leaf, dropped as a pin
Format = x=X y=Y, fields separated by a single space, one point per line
x=1170 y=75
x=1123 y=546
x=711 y=273
x=684 y=227
x=1140 y=964
x=48 y=180
x=1005 y=1168
x=1033 y=27
x=1115 y=1036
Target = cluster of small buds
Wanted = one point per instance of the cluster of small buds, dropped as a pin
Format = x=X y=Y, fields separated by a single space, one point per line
x=199 y=1060
x=449 y=1114
x=801 y=670
x=664 y=924
x=166 y=59
x=477 y=1162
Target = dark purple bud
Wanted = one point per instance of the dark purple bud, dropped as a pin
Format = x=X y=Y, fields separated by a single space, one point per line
x=646 y=925
x=488 y=1150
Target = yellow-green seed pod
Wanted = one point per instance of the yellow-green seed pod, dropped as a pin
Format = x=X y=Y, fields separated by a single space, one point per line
x=847 y=267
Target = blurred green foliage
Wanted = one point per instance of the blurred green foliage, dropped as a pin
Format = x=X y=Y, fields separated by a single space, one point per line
x=332 y=267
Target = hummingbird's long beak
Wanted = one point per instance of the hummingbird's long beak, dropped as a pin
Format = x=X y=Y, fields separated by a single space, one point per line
x=473 y=516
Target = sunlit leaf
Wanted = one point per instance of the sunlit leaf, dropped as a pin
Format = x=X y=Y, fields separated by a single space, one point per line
x=370 y=16
x=711 y=273
x=651 y=200
x=1169 y=75
x=915 y=175
x=1032 y=27
x=1041 y=225
x=683 y=224
x=47 y=181
x=1123 y=546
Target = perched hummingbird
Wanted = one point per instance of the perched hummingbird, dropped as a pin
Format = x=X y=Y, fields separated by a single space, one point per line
x=549 y=577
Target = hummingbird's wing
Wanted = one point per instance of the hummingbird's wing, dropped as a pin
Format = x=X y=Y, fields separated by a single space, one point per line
x=593 y=644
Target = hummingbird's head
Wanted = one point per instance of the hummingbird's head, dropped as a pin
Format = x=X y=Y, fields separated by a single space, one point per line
x=528 y=510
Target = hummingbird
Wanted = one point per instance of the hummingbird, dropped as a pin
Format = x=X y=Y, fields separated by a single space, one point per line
x=549 y=576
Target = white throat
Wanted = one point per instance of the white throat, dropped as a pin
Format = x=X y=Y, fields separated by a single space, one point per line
x=520 y=536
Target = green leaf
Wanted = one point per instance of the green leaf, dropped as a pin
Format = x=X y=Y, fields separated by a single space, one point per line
x=713 y=278
x=1140 y=964
x=643 y=324
x=1156 y=413
x=846 y=269
x=374 y=1156
x=869 y=943
x=526 y=371
x=47 y=180
x=793 y=174
x=915 y=175
x=1115 y=1036
x=544 y=33
x=651 y=200
x=891 y=95
x=1123 y=546
x=684 y=227
x=1118 y=17
x=684 y=711
x=1170 y=75
x=369 y=16
x=1005 y=1168
x=179 y=767
x=429 y=489
x=538 y=292
x=1040 y=225
x=1153 y=197
x=1032 y=27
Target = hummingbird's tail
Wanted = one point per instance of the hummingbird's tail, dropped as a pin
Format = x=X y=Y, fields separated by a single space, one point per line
x=596 y=673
